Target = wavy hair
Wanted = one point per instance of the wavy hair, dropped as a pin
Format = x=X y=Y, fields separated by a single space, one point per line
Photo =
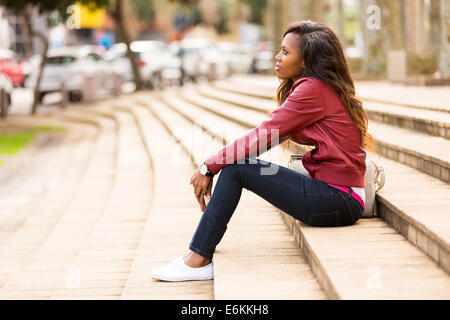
x=324 y=60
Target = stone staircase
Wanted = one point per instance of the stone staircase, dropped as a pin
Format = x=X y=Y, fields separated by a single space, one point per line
x=272 y=260
x=409 y=201
x=405 y=248
x=110 y=198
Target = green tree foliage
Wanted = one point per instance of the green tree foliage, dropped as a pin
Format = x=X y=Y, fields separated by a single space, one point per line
x=18 y=6
x=189 y=8
x=145 y=9
x=257 y=8
x=222 y=24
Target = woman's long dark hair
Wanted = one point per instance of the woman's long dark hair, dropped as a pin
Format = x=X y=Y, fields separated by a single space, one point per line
x=324 y=60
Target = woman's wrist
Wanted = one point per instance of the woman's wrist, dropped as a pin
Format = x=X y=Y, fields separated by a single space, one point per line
x=204 y=170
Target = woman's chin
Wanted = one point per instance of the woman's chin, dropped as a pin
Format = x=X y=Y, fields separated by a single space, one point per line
x=282 y=78
x=279 y=76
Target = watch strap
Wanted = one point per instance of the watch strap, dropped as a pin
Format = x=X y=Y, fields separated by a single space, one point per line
x=208 y=173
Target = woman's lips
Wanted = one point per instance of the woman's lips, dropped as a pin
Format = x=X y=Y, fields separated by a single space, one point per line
x=277 y=67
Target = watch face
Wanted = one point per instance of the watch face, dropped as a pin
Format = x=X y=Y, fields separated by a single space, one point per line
x=203 y=169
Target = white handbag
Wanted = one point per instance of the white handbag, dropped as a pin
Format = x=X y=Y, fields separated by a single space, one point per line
x=374 y=180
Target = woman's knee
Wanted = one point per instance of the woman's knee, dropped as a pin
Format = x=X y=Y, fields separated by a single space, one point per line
x=236 y=171
x=228 y=169
x=235 y=167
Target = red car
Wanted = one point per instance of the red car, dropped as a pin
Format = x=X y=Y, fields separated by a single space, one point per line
x=12 y=67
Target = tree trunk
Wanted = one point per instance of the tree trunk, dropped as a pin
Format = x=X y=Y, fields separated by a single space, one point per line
x=374 y=56
x=118 y=17
x=381 y=24
x=435 y=25
x=27 y=44
x=341 y=22
x=394 y=24
x=415 y=26
x=44 y=39
x=444 y=47
x=275 y=9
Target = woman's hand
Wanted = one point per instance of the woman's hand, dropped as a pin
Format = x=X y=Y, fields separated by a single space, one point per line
x=202 y=187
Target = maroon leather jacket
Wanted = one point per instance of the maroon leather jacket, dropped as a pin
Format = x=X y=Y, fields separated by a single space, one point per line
x=312 y=114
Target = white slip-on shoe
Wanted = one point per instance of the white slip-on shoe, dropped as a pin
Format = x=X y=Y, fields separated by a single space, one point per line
x=177 y=270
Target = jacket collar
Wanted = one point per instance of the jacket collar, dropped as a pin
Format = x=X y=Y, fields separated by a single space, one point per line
x=296 y=83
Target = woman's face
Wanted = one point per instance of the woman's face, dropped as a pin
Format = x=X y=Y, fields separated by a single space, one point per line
x=289 y=62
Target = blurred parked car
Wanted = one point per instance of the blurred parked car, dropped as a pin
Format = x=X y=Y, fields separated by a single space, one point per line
x=5 y=84
x=201 y=58
x=172 y=71
x=239 y=58
x=264 y=61
x=148 y=55
x=12 y=67
x=75 y=67
x=213 y=64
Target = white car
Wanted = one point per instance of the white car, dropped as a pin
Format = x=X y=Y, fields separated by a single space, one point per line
x=265 y=58
x=239 y=57
x=6 y=85
x=148 y=54
x=201 y=58
x=80 y=69
x=264 y=61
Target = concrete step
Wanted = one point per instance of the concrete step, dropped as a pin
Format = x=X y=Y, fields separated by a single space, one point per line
x=238 y=99
x=430 y=235
x=249 y=89
x=29 y=176
x=415 y=97
x=172 y=216
x=239 y=283
x=417 y=206
x=391 y=210
x=38 y=258
x=18 y=168
x=221 y=130
x=26 y=226
x=428 y=154
x=247 y=117
x=436 y=123
x=106 y=257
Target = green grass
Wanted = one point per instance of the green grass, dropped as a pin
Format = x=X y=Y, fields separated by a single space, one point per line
x=49 y=128
x=11 y=143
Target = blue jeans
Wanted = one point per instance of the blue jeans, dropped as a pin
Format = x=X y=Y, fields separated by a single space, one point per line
x=311 y=201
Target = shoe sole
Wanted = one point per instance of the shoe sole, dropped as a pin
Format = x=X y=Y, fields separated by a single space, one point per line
x=182 y=279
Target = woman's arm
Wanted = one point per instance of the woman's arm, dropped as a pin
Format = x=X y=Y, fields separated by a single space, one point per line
x=302 y=108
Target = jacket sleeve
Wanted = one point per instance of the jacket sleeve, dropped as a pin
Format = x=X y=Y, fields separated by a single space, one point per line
x=301 y=109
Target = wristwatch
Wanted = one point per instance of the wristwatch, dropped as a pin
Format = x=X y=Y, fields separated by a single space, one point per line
x=204 y=170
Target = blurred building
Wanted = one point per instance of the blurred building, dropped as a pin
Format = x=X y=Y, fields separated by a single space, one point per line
x=15 y=36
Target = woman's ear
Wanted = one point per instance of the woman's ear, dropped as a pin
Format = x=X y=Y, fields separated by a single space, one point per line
x=302 y=66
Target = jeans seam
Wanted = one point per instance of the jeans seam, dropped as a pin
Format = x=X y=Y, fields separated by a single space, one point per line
x=348 y=205
x=200 y=252
x=336 y=212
